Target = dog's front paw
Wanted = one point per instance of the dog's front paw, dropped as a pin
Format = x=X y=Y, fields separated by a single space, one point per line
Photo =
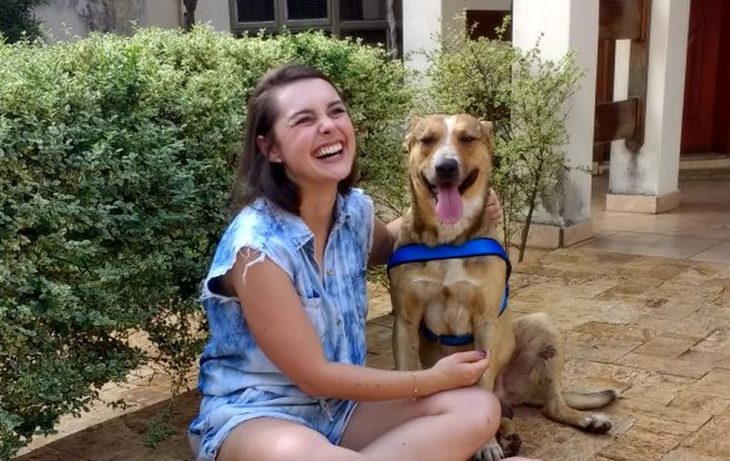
x=510 y=444
x=596 y=423
x=490 y=452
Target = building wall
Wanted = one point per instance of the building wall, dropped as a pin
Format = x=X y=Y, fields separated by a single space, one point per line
x=63 y=19
x=424 y=18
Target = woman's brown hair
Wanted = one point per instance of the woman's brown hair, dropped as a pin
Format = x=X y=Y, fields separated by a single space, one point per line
x=257 y=176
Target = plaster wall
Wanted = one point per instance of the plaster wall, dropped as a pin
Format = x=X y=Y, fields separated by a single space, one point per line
x=425 y=19
x=214 y=12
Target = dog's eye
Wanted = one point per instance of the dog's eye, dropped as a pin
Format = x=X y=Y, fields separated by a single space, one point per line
x=467 y=139
x=427 y=140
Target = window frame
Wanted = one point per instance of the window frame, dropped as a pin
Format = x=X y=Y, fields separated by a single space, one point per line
x=332 y=24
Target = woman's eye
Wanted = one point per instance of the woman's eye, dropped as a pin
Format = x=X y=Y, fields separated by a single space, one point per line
x=304 y=121
x=338 y=111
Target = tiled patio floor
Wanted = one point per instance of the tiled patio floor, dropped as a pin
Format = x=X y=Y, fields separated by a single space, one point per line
x=656 y=327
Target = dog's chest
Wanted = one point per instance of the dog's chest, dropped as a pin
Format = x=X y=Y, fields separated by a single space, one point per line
x=447 y=289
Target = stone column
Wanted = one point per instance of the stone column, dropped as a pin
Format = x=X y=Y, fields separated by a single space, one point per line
x=573 y=25
x=646 y=182
x=422 y=20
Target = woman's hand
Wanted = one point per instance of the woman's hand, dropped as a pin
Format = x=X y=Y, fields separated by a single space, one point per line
x=494 y=208
x=459 y=369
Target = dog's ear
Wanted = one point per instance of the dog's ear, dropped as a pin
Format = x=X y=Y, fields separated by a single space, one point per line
x=409 y=139
x=488 y=129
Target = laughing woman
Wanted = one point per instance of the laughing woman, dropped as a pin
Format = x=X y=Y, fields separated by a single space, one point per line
x=283 y=375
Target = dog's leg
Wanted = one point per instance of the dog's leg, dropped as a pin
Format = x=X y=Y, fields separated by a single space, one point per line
x=408 y=311
x=507 y=436
x=538 y=338
x=496 y=335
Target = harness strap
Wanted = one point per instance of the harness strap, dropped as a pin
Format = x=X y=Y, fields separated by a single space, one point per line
x=478 y=247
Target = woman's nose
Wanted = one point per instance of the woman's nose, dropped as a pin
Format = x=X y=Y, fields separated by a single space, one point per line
x=326 y=124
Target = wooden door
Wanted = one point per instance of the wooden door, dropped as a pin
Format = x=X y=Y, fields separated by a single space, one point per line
x=705 y=121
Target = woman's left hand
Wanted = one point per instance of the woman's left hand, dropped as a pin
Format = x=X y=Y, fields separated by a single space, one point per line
x=494 y=209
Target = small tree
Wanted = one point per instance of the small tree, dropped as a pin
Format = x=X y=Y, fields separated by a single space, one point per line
x=524 y=95
x=189 y=16
x=17 y=21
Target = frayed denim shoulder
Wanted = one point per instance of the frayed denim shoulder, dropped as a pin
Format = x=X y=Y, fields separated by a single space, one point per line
x=255 y=230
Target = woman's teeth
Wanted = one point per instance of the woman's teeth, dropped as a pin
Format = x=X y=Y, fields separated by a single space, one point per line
x=329 y=151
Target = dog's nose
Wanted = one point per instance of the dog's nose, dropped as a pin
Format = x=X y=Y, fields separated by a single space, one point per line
x=447 y=169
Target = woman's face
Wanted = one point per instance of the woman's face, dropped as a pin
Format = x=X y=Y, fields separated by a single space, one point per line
x=312 y=135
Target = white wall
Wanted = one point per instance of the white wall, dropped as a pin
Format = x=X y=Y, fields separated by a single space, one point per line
x=215 y=12
x=423 y=19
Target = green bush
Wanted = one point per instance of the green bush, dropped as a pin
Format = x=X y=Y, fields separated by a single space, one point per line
x=116 y=157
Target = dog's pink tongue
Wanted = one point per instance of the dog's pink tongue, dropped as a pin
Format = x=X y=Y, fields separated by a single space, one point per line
x=448 y=204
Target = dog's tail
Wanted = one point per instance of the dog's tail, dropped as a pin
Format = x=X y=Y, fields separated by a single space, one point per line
x=590 y=400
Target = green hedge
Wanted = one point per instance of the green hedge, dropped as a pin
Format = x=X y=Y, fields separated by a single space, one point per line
x=116 y=156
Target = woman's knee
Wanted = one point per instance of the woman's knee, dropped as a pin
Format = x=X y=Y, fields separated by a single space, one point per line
x=270 y=440
x=478 y=410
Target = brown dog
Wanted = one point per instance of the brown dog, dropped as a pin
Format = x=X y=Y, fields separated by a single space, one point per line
x=449 y=167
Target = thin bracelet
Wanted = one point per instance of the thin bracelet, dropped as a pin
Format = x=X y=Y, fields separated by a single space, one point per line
x=414 y=394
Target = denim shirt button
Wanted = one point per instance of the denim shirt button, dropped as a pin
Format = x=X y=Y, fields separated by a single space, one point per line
x=330 y=272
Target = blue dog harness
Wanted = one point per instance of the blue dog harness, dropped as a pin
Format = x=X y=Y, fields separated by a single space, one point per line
x=478 y=247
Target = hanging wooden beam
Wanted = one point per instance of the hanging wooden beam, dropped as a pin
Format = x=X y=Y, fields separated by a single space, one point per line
x=626 y=20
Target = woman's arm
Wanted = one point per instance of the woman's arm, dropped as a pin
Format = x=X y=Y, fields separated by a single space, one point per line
x=384 y=238
x=283 y=331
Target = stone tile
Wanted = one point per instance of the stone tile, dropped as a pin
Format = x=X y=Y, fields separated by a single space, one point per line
x=659 y=323
x=658 y=388
x=640 y=444
x=666 y=345
x=584 y=374
x=603 y=341
x=670 y=246
x=718 y=341
x=685 y=366
x=712 y=439
x=708 y=395
x=685 y=454
x=718 y=253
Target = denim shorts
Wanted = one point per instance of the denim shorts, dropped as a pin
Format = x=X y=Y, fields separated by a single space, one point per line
x=219 y=416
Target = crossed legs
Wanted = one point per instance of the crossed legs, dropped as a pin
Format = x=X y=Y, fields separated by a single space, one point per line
x=449 y=425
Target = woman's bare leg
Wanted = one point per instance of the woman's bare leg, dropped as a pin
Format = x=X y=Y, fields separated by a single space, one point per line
x=271 y=439
x=446 y=426
x=449 y=425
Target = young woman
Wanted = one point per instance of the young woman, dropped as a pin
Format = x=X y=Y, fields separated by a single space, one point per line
x=283 y=375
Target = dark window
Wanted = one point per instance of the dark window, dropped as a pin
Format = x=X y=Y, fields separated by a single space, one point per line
x=370 y=37
x=356 y=10
x=366 y=19
x=255 y=10
x=306 y=9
